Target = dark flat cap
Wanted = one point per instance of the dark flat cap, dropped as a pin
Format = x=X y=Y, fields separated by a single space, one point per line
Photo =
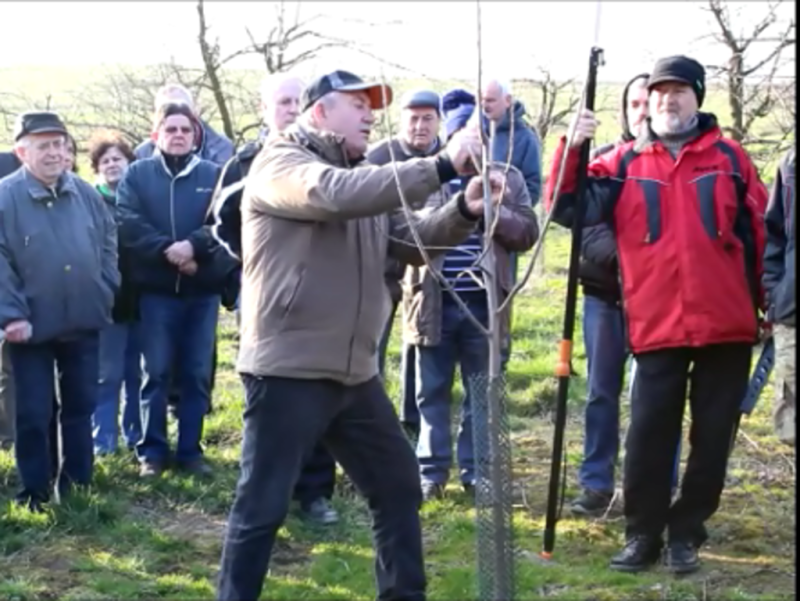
x=420 y=99
x=38 y=122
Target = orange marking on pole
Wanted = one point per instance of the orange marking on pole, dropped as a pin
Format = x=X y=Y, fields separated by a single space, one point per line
x=564 y=356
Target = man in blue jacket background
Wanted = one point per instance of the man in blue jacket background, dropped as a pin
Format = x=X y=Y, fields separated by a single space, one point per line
x=179 y=270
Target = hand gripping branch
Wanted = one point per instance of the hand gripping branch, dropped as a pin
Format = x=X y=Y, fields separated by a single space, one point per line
x=565 y=346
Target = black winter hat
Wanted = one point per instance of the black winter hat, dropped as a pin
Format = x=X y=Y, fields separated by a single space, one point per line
x=683 y=69
x=38 y=122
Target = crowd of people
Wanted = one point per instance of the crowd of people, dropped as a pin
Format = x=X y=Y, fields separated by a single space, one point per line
x=117 y=285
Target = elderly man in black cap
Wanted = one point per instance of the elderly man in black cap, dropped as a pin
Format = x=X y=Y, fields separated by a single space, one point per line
x=58 y=265
x=687 y=208
x=317 y=224
x=420 y=118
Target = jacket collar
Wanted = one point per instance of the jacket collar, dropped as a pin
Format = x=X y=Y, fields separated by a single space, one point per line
x=194 y=160
x=37 y=190
x=325 y=144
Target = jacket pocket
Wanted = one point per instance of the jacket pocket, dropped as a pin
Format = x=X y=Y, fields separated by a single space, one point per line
x=291 y=293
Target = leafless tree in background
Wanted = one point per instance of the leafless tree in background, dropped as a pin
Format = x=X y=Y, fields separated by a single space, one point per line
x=756 y=53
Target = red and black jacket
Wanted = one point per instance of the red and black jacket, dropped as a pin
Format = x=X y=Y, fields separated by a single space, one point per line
x=689 y=231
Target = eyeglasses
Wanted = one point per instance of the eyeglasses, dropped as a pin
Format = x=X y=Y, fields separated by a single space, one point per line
x=173 y=129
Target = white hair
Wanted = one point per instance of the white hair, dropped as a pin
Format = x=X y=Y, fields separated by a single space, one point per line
x=273 y=82
x=172 y=90
x=502 y=83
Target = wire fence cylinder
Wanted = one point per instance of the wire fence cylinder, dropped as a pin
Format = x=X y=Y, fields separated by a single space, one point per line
x=493 y=488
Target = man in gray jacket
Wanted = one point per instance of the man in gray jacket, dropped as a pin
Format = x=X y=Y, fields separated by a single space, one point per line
x=58 y=265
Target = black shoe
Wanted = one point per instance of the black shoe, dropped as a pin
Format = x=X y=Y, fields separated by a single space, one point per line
x=34 y=502
x=682 y=557
x=432 y=491
x=320 y=511
x=640 y=553
x=198 y=467
x=591 y=503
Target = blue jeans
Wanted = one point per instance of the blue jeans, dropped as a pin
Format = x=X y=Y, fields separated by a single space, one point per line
x=461 y=342
x=176 y=331
x=77 y=361
x=120 y=367
x=409 y=414
x=606 y=356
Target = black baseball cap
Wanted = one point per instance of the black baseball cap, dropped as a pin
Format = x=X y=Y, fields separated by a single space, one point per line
x=344 y=81
x=38 y=122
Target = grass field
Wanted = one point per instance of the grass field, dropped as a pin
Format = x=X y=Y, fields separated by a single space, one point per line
x=127 y=539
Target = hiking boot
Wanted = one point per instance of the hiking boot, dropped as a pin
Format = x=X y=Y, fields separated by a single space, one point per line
x=198 y=467
x=320 y=511
x=151 y=469
x=639 y=553
x=682 y=557
x=591 y=503
x=431 y=490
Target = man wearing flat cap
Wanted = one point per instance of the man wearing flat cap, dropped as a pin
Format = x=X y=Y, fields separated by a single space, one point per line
x=418 y=136
x=687 y=208
x=58 y=263
x=317 y=225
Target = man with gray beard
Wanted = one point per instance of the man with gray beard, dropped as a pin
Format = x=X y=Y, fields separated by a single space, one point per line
x=687 y=208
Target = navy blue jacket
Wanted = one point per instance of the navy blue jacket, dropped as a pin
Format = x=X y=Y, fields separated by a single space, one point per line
x=58 y=256
x=779 y=265
x=527 y=152
x=156 y=210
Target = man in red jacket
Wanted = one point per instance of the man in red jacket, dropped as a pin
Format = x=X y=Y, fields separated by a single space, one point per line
x=687 y=208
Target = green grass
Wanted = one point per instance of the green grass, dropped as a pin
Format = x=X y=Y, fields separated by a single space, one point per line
x=126 y=539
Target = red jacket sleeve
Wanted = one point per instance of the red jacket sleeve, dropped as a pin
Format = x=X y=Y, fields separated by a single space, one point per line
x=602 y=187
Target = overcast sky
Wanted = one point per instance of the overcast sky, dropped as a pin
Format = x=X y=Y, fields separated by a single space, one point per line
x=435 y=38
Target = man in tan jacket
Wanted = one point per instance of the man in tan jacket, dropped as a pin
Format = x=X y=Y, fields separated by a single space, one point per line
x=317 y=225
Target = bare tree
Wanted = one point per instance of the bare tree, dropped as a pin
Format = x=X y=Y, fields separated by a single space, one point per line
x=210 y=53
x=122 y=99
x=551 y=110
x=750 y=73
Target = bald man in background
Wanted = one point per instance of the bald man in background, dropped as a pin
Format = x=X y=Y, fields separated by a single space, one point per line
x=280 y=107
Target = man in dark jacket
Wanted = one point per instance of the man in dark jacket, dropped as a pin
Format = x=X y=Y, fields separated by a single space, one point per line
x=515 y=142
x=686 y=206
x=208 y=145
x=604 y=332
x=420 y=118
x=58 y=262
x=163 y=203
x=9 y=163
x=280 y=107
x=779 y=284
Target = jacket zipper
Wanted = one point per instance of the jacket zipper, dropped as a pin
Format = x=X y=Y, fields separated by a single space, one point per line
x=172 y=222
x=174 y=179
